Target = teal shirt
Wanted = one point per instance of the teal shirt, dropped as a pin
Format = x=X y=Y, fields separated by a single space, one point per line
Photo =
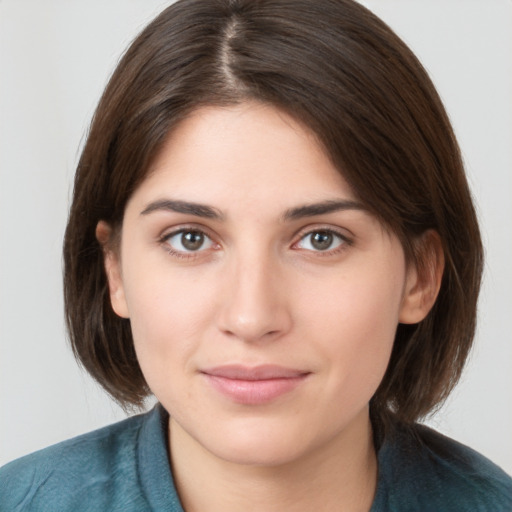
x=124 y=467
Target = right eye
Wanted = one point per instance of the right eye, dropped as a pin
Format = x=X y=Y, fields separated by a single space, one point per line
x=188 y=241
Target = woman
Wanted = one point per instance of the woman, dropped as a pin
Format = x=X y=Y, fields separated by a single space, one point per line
x=271 y=232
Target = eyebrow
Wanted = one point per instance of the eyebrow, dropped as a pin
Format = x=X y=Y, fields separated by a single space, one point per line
x=209 y=212
x=310 y=210
x=199 y=210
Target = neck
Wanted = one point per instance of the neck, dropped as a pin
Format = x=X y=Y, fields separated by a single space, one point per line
x=339 y=475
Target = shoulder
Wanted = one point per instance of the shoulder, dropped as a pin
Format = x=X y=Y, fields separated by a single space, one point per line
x=100 y=464
x=426 y=470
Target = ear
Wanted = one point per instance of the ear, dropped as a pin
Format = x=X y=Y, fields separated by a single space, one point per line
x=111 y=260
x=423 y=279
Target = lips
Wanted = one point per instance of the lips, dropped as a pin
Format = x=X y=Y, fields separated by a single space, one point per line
x=254 y=385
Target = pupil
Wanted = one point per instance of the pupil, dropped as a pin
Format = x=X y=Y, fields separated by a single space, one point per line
x=321 y=240
x=192 y=241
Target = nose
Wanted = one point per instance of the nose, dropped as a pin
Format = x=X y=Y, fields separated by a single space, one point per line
x=255 y=306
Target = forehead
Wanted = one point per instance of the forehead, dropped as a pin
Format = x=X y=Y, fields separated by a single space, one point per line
x=249 y=153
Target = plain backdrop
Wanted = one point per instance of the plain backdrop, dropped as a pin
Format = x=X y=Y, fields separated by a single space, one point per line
x=55 y=58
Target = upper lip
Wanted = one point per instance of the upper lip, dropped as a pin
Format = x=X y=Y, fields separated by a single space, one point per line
x=261 y=372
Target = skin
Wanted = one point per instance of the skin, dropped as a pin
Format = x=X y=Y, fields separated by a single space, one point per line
x=259 y=291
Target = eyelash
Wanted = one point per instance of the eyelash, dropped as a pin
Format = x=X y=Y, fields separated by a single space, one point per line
x=164 y=240
x=345 y=242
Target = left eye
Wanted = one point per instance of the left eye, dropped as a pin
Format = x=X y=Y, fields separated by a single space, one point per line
x=322 y=240
x=189 y=241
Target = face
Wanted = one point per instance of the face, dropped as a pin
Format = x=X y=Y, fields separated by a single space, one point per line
x=263 y=297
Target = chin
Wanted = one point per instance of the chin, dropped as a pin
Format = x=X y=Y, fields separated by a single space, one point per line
x=259 y=452
x=258 y=442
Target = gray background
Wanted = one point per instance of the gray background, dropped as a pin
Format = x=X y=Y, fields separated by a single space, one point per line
x=55 y=57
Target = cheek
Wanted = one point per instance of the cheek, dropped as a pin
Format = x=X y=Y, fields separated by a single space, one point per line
x=169 y=312
x=353 y=321
x=354 y=304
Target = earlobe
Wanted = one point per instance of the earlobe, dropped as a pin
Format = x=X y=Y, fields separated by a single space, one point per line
x=423 y=279
x=112 y=264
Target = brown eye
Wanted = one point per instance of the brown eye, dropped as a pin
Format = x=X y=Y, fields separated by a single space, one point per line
x=189 y=241
x=321 y=240
x=192 y=240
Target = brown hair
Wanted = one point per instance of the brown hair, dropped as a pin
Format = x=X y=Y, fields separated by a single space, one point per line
x=341 y=71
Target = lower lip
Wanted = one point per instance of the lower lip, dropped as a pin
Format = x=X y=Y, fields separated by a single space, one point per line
x=254 y=392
